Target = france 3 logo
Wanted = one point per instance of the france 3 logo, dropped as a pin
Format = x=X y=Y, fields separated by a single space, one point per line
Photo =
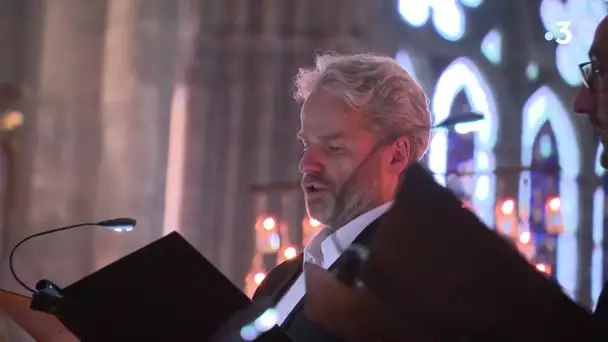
x=564 y=35
x=572 y=22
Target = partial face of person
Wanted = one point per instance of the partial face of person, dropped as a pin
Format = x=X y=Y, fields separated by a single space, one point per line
x=592 y=96
x=335 y=144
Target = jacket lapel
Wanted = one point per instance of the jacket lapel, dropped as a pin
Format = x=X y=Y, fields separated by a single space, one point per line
x=364 y=238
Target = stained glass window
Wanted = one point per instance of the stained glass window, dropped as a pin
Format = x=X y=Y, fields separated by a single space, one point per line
x=460 y=162
x=448 y=17
x=544 y=182
x=549 y=140
x=491 y=46
x=461 y=86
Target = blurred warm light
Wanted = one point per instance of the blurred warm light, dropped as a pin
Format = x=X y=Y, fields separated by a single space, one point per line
x=554 y=204
x=525 y=238
x=310 y=228
x=314 y=223
x=11 y=120
x=543 y=268
x=269 y=223
x=507 y=207
x=290 y=253
x=259 y=277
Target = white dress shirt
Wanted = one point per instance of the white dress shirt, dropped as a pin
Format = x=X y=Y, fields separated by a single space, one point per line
x=322 y=251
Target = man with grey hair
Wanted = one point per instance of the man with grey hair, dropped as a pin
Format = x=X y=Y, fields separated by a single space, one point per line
x=363 y=121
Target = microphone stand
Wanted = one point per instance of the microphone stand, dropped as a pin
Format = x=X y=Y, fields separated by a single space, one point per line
x=47 y=297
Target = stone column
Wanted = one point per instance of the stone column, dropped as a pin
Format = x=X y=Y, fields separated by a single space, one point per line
x=183 y=94
x=59 y=147
x=13 y=16
x=139 y=70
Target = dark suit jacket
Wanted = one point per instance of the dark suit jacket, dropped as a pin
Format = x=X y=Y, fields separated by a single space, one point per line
x=280 y=278
x=279 y=281
x=601 y=314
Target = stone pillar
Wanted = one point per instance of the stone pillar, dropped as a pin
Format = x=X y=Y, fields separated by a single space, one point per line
x=183 y=94
x=137 y=86
x=59 y=147
x=13 y=16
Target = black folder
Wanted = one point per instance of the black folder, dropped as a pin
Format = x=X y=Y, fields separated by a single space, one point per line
x=165 y=291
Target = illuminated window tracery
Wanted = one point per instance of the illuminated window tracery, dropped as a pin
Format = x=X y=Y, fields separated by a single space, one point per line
x=542 y=111
x=462 y=83
x=543 y=182
x=491 y=46
x=448 y=17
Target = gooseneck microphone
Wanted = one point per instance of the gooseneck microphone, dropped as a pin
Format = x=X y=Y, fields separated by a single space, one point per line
x=117 y=224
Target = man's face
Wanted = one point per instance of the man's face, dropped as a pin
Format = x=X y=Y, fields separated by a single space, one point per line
x=335 y=143
x=593 y=100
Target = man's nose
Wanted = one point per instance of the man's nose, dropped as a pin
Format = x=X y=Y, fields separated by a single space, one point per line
x=584 y=102
x=311 y=162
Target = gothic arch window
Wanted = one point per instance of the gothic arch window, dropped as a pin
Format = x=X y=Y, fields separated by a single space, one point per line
x=463 y=83
x=599 y=217
x=544 y=114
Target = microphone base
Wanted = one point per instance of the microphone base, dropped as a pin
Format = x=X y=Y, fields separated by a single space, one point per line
x=48 y=299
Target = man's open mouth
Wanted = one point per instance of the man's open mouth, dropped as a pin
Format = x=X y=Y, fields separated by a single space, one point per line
x=314 y=189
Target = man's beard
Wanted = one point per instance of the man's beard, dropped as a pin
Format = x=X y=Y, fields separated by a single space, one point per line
x=356 y=196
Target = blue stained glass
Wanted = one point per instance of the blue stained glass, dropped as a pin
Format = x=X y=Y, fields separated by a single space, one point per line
x=545 y=146
x=544 y=184
x=460 y=154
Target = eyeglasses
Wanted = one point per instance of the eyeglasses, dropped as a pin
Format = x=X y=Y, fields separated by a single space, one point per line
x=591 y=74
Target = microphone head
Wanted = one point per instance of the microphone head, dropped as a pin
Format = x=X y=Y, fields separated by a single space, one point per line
x=123 y=224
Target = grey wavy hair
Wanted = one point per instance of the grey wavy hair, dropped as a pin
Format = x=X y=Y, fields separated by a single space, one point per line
x=378 y=86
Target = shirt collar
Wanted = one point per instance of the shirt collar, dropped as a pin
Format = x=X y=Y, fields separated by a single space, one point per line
x=324 y=249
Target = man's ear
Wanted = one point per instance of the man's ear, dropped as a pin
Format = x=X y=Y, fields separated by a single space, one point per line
x=402 y=153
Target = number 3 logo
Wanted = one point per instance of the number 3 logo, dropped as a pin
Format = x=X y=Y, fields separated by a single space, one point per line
x=565 y=33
